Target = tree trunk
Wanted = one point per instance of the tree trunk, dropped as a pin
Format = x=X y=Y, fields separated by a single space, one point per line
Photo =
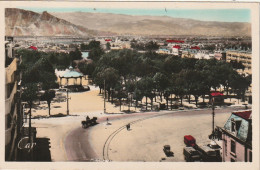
x=49 y=105
x=196 y=100
x=120 y=104
x=146 y=102
x=167 y=99
x=171 y=101
x=109 y=94
x=151 y=103
x=181 y=100
x=203 y=97
x=189 y=98
x=161 y=96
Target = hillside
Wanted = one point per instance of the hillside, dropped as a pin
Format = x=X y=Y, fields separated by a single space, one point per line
x=20 y=22
x=154 y=25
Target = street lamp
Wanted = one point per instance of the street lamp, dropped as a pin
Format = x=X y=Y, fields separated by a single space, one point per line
x=213 y=115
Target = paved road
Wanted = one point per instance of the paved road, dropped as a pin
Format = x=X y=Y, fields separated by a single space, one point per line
x=79 y=148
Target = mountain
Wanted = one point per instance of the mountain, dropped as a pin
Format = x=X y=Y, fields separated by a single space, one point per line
x=154 y=25
x=20 y=22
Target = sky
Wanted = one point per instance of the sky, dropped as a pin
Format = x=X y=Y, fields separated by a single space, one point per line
x=223 y=15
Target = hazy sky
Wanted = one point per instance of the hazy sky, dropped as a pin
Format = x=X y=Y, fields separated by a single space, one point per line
x=226 y=15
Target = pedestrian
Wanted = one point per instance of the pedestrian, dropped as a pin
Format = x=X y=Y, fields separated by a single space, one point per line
x=128 y=126
x=87 y=118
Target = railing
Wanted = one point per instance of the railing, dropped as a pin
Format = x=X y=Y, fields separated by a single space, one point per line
x=10 y=71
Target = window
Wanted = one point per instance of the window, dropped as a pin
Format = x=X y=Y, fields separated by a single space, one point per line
x=233 y=125
x=233 y=146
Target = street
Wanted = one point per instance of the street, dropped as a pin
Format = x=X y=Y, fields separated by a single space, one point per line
x=144 y=141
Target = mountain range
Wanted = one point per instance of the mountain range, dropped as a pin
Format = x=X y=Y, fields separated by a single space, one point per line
x=19 y=22
x=22 y=22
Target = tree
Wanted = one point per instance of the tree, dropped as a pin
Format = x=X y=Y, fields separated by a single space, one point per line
x=146 y=85
x=161 y=83
x=239 y=84
x=29 y=94
x=48 y=96
x=108 y=46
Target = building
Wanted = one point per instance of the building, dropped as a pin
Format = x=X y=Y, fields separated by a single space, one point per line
x=13 y=119
x=237 y=137
x=243 y=56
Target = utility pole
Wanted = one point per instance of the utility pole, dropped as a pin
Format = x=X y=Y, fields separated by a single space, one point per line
x=104 y=96
x=68 y=112
x=213 y=115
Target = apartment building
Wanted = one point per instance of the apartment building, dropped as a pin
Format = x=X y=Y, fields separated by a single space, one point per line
x=239 y=55
x=12 y=108
x=237 y=137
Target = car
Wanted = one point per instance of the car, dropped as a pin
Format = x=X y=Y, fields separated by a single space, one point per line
x=189 y=140
x=167 y=150
x=191 y=154
x=208 y=154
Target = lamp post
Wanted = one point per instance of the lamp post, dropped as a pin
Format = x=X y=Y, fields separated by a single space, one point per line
x=213 y=115
x=68 y=98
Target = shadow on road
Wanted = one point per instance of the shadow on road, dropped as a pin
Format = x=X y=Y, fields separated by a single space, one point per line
x=42 y=150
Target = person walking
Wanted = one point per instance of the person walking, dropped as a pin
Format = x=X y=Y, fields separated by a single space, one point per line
x=128 y=126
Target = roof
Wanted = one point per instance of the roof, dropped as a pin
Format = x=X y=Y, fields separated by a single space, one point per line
x=85 y=55
x=216 y=94
x=195 y=47
x=176 y=46
x=33 y=47
x=243 y=125
x=189 y=137
x=71 y=74
x=244 y=114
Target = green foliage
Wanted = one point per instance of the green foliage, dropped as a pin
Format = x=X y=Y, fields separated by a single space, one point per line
x=40 y=71
x=48 y=96
x=29 y=93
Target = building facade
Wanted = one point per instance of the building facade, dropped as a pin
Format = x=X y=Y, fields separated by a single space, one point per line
x=237 y=137
x=13 y=118
x=245 y=57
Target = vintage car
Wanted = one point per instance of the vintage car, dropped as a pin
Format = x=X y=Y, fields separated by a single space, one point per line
x=189 y=140
x=167 y=150
x=89 y=122
x=191 y=154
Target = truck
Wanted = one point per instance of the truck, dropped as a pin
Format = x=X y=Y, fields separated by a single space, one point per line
x=189 y=140
x=191 y=155
x=207 y=154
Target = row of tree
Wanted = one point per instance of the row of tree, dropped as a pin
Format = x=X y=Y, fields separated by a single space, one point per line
x=37 y=73
x=148 y=75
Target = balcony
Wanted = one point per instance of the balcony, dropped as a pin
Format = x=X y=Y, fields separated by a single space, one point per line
x=8 y=101
x=10 y=71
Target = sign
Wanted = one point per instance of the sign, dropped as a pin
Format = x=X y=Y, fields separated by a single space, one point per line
x=24 y=144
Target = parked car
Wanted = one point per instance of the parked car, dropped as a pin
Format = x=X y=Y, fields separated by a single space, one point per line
x=207 y=154
x=189 y=140
x=167 y=150
x=191 y=155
